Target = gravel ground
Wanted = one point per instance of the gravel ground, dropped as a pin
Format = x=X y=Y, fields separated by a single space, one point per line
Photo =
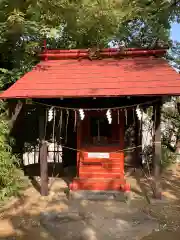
x=28 y=217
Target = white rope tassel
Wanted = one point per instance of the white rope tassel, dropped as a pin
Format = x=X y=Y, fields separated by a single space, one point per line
x=81 y=113
x=139 y=113
x=109 y=116
x=50 y=114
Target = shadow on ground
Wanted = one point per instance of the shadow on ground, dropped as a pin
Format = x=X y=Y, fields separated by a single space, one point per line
x=34 y=217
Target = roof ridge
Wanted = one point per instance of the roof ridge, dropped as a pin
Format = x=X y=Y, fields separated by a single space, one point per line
x=100 y=53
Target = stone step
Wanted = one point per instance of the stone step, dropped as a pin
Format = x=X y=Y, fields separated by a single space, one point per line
x=101 y=184
x=102 y=174
x=98 y=195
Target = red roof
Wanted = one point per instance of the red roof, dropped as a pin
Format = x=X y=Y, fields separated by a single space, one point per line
x=138 y=74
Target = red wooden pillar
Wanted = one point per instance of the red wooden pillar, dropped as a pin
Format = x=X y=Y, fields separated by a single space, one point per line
x=157 y=150
x=43 y=152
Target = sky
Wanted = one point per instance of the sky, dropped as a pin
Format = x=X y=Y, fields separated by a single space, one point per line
x=175 y=32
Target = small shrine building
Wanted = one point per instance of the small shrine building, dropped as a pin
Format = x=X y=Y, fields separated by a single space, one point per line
x=89 y=97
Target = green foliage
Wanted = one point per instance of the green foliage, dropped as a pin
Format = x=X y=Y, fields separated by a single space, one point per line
x=174 y=55
x=171 y=121
x=10 y=176
x=85 y=23
x=168 y=157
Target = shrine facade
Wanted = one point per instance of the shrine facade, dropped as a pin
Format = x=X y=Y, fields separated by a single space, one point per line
x=90 y=102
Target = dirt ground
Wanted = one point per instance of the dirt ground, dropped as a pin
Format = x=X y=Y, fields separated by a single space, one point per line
x=20 y=217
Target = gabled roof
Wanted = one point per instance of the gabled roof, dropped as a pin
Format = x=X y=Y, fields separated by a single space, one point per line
x=72 y=74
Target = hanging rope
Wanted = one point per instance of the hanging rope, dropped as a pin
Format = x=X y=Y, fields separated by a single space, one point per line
x=53 y=136
x=46 y=120
x=96 y=109
x=67 y=120
x=118 y=116
x=115 y=151
x=54 y=123
x=58 y=133
x=126 y=116
x=75 y=120
x=133 y=116
x=60 y=124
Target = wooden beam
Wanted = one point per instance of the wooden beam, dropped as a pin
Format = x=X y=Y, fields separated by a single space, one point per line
x=157 y=150
x=43 y=153
x=138 y=142
x=44 y=168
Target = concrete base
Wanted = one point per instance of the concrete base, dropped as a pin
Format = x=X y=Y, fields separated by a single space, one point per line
x=99 y=195
x=97 y=221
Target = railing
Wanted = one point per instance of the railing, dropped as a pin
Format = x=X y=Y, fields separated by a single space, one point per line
x=31 y=155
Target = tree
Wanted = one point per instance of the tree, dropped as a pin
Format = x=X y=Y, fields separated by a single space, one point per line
x=171 y=112
x=86 y=23
x=174 y=55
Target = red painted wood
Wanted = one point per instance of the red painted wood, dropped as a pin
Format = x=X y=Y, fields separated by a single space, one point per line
x=103 y=163
x=101 y=175
x=97 y=78
x=76 y=51
x=84 y=53
x=45 y=92
x=108 y=165
x=97 y=184
x=100 y=169
x=100 y=161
